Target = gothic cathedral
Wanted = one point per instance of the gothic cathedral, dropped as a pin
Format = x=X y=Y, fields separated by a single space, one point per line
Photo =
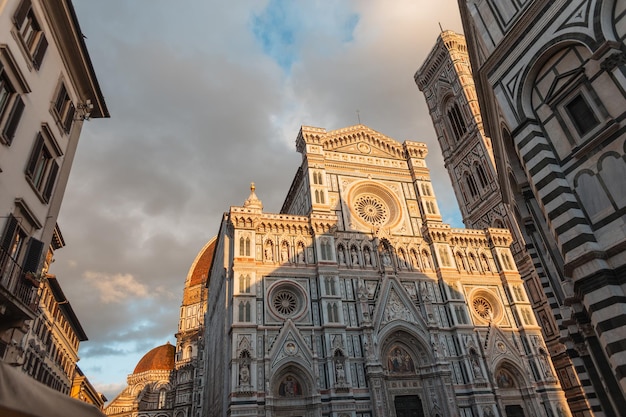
x=356 y=300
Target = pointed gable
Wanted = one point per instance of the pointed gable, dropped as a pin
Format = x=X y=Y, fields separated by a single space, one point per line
x=357 y=139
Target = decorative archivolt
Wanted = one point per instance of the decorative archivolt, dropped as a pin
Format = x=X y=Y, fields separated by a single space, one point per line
x=324 y=227
x=469 y=241
x=282 y=228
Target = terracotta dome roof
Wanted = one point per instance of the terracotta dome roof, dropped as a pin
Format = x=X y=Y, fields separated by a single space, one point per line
x=159 y=358
x=199 y=271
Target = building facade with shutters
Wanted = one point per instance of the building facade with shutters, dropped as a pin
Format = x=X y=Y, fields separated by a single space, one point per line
x=48 y=88
x=356 y=300
x=446 y=80
x=550 y=82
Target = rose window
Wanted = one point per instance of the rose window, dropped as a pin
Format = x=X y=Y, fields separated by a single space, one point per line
x=372 y=209
x=285 y=302
x=482 y=307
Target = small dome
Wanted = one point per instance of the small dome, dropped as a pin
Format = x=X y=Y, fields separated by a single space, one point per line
x=160 y=358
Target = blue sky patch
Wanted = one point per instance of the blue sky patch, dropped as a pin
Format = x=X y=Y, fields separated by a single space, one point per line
x=284 y=25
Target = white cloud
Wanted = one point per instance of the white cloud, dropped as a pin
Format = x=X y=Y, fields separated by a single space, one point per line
x=116 y=288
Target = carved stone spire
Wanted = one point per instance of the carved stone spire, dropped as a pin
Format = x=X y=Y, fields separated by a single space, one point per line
x=253 y=201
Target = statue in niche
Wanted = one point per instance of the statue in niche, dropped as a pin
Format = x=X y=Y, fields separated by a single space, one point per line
x=340 y=373
x=472 y=263
x=289 y=387
x=543 y=361
x=485 y=263
x=301 y=253
x=368 y=257
x=401 y=260
x=355 y=256
x=426 y=259
x=478 y=373
x=268 y=253
x=244 y=374
x=284 y=252
x=386 y=258
x=341 y=255
x=415 y=260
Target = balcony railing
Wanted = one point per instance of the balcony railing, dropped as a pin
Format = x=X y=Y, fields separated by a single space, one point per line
x=13 y=279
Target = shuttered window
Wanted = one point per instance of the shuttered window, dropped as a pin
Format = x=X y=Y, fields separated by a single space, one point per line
x=32 y=36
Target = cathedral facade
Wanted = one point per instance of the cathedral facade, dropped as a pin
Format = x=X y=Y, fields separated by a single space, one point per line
x=356 y=300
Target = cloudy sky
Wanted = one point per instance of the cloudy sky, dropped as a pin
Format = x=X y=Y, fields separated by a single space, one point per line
x=205 y=97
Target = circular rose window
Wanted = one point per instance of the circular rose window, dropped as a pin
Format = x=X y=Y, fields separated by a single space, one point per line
x=372 y=209
x=486 y=306
x=286 y=300
x=373 y=204
x=482 y=307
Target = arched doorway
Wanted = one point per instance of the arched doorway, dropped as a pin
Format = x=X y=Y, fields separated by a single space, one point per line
x=292 y=394
x=410 y=379
x=510 y=382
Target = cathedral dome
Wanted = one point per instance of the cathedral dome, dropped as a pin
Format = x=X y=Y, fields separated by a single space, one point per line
x=199 y=271
x=160 y=358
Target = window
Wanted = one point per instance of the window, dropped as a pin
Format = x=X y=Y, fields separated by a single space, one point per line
x=244 y=246
x=16 y=247
x=471 y=184
x=11 y=108
x=333 y=312
x=12 y=240
x=162 y=397
x=244 y=283
x=30 y=33
x=456 y=121
x=64 y=109
x=330 y=286
x=482 y=177
x=244 y=311
x=42 y=169
x=325 y=247
x=317 y=178
x=581 y=115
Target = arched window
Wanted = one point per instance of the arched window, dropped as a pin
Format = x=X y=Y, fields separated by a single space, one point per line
x=244 y=283
x=325 y=247
x=592 y=195
x=244 y=311
x=333 y=312
x=482 y=177
x=330 y=286
x=244 y=246
x=613 y=166
x=471 y=184
x=455 y=119
x=162 y=398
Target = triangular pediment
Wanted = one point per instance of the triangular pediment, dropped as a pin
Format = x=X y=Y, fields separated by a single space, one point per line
x=498 y=346
x=395 y=306
x=361 y=140
x=290 y=346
